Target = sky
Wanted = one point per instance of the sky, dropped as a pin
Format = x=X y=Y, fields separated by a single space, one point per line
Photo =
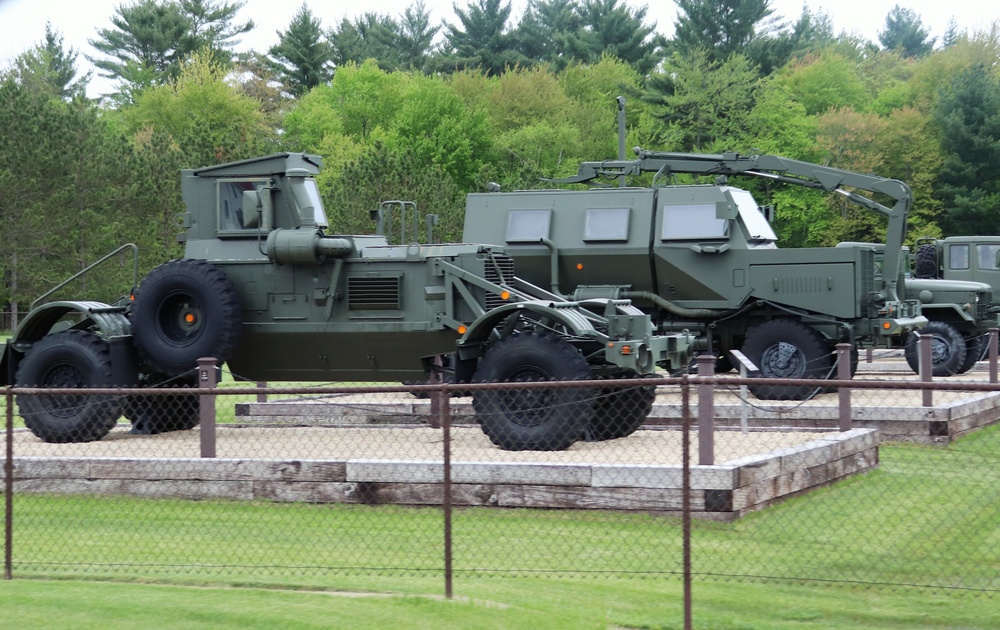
x=22 y=22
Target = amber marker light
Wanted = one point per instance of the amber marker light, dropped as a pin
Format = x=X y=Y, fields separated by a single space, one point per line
x=462 y=329
x=886 y=325
x=189 y=318
x=579 y=266
x=505 y=295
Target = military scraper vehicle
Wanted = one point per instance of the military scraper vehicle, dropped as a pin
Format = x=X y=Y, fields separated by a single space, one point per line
x=704 y=258
x=266 y=288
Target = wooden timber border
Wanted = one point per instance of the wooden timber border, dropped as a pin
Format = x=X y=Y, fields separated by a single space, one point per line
x=720 y=492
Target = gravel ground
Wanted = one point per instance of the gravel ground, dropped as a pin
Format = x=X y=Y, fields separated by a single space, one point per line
x=657 y=447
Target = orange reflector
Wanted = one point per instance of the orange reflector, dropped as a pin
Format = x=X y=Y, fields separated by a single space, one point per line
x=886 y=325
x=461 y=330
x=505 y=295
x=579 y=266
x=611 y=344
x=189 y=318
x=626 y=349
x=131 y=297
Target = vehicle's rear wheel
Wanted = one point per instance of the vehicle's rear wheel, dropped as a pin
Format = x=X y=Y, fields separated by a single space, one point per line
x=540 y=419
x=787 y=348
x=184 y=310
x=620 y=411
x=68 y=359
x=948 y=349
x=159 y=413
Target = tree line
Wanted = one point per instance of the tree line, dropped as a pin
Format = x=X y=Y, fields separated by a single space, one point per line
x=401 y=109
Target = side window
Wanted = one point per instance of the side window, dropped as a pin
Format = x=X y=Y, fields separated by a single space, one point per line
x=232 y=216
x=988 y=256
x=527 y=226
x=695 y=221
x=606 y=224
x=958 y=257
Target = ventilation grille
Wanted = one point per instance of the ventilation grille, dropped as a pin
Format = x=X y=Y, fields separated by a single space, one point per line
x=373 y=294
x=499 y=270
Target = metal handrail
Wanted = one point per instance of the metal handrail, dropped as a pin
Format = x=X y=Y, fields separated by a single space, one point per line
x=135 y=272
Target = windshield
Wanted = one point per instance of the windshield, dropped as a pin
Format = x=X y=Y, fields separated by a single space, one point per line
x=319 y=214
x=758 y=229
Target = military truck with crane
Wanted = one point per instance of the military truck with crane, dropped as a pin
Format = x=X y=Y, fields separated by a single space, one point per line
x=704 y=258
x=265 y=287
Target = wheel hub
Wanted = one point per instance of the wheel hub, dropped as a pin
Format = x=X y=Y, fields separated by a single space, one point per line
x=782 y=360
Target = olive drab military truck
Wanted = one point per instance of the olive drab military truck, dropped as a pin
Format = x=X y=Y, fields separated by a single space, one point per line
x=704 y=258
x=266 y=288
x=957 y=261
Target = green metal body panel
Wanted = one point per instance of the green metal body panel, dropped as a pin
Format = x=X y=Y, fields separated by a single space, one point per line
x=706 y=249
x=965 y=265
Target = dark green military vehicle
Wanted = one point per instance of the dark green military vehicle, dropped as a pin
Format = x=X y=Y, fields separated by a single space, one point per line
x=266 y=288
x=940 y=267
x=703 y=257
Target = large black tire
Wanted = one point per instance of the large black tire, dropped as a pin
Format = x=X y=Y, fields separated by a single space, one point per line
x=787 y=348
x=70 y=359
x=185 y=310
x=533 y=419
x=926 y=265
x=154 y=413
x=976 y=347
x=948 y=349
x=620 y=411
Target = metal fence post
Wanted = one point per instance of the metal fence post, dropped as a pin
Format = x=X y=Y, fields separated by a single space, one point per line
x=206 y=402
x=8 y=492
x=444 y=412
x=706 y=411
x=993 y=354
x=686 y=496
x=926 y=366
x=844 y=393
x=262 y=396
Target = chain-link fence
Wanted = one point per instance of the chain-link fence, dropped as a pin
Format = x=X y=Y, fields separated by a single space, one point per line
x=887 y=479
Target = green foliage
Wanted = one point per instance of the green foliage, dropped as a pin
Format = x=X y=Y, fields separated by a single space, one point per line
x=724 y=28
x=369 y=36
x=382 y=173
x=483 y=40
x=302 y=57
x=50 y=67
x=593 y=90
x=435 y=127
x=699 y=101
x=905 y=32
x=206 y=117
x=611 y=27
x=968 y=112
x=150 y=39
x=361 y=103
x=825 y=81
x=67 y=197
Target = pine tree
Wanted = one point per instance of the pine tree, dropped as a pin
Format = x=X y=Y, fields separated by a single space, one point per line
x=302 y=57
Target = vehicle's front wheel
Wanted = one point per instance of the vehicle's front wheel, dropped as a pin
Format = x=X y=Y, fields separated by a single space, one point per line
x=68 y=359
x=539 y=419
x=948 y=349
x=787 y=348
